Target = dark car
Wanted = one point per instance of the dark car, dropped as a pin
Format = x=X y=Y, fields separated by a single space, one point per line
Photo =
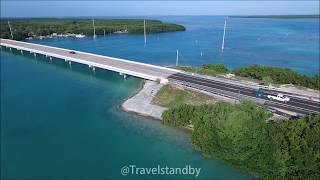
x=72 y=52
x=258 y=93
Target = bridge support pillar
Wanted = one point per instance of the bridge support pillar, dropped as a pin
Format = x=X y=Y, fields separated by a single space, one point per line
x=124 y=76
x=21 y=52
x=92 y=67
x=34 y=54
x=10 y=49
x=120 y=73
x=70 y=65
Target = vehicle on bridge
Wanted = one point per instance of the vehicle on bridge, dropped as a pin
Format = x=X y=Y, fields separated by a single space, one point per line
x=258 y=93
x=279 y=97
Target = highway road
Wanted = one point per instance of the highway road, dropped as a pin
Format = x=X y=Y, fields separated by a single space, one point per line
x=142 y=70
x=152 y=72
x=297 y=105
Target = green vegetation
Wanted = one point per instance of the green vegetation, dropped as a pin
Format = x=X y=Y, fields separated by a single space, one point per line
x=206 y=69
x=169 y=96
x=297 y=147
x=240 y=135
x=188 y=69
x=280 y=16
x=263 y=74
x=278 y=75
x=23 y=28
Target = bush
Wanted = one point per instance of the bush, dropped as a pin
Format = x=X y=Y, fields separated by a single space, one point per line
x=278 y=75
x=266 y=81
x=298 y=147
x=240 y=135
x=218 y=68
x=179 y=116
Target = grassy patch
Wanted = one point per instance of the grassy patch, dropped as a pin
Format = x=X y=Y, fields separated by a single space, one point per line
x=169 y=96
x=188 y=68
x=205 y=69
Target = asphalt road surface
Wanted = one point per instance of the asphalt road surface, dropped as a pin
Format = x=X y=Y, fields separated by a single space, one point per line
x=146 y=69
x=297 y=105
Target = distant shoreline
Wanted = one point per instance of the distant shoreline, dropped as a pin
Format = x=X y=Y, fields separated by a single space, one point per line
x=32 y=27
x=280 y=16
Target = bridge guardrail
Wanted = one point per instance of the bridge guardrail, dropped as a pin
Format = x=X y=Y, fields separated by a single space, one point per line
x=78 y=60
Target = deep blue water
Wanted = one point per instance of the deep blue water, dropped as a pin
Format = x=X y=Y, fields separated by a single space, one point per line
x=291 y=43
x=64 y=122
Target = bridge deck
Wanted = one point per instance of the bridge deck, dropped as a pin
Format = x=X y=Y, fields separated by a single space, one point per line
x=141 y=70
x=152 y=72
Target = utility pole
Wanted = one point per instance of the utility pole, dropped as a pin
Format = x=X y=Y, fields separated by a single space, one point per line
x=144 y=32
x=94 y=29
x=224 y=34
x=10 y=29
x=177 y=60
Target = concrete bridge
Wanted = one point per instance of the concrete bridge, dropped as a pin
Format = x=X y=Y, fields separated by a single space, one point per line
x=212 y=85
x=124 y=67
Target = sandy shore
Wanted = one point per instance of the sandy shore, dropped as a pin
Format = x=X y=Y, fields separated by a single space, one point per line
x=140 y=103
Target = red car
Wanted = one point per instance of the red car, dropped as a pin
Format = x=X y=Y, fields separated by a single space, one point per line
x=72 y=52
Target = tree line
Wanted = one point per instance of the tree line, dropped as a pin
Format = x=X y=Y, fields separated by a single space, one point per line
x=241 y=135
x=266 y=74
x=23 y=28
x=278 y=75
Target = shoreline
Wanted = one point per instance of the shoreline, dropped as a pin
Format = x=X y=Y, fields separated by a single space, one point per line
x=79 y=28
x=139 y=102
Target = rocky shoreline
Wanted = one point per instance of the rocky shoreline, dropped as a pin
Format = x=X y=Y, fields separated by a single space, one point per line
x=140 y=103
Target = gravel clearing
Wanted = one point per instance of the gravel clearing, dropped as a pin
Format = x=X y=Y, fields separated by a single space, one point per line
x=141 y=102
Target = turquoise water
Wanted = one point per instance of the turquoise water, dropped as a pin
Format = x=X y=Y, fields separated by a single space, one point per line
x=64 y=122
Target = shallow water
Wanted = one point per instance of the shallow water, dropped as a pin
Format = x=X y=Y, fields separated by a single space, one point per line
x=64 y=122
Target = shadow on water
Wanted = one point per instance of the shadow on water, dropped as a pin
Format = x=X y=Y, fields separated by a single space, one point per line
x=74 y=67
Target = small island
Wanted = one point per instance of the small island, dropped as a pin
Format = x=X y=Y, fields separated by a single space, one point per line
x=280 y=16
x=241 y=133
x=26 y=28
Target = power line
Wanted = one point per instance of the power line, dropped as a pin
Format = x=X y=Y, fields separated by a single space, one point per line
x=10 y=30
x=177 y=60
x=224 y=34
x=94 y=29
x=144 y=31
